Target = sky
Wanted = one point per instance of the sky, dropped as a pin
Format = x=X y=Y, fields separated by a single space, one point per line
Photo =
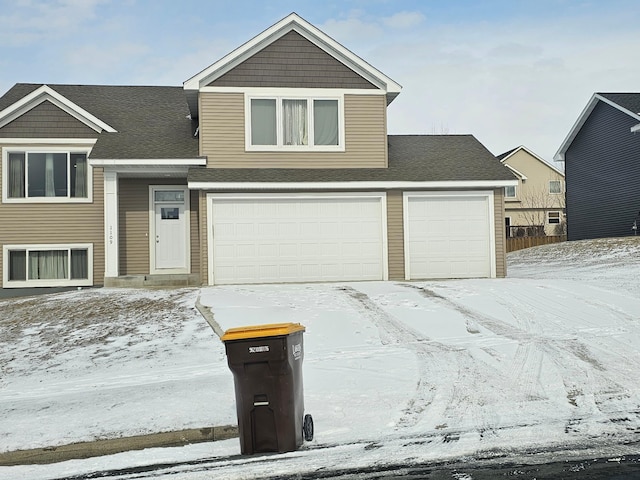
x=509 y=72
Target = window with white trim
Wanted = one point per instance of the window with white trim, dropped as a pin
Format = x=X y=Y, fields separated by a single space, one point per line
x=554 y=217
x=48 y=265
x=510 y=191
x=45 y=175
x=294 y=123
x=555 y=186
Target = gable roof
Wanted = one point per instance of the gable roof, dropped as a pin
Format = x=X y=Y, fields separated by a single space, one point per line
x=628 y=103
x=414 y=160
x=506 y=155
x=292 y=22
x=144 y=122
x=45 y=93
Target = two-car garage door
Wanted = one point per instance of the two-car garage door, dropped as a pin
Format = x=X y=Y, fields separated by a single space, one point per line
x=297 y=238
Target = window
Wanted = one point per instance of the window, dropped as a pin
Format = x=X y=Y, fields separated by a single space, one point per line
x=510 y=192
x=47 y=265
x=44 y=176
x=294 y=123
x=555 y=186
x=553 y=217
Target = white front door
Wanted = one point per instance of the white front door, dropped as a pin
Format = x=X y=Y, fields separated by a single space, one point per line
x=170 y=231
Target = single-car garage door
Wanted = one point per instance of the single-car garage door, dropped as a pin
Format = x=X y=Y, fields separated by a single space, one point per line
x=303 y=238
x=448 y=236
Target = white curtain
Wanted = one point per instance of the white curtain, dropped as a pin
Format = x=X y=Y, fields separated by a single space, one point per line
x=52 y=264
x=16 y=175
x=49 y=182
x=325 y=122
x=80 y=187
x=294 y=122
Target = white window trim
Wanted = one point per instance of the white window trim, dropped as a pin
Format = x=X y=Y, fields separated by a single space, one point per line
x=278 y=96
x=549 y=222
x=561 y=187
x=50 y=149
x=515 y=192
x=77 y=282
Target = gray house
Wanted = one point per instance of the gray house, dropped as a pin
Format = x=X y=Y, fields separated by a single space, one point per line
x=602 y=167
x=271 y=165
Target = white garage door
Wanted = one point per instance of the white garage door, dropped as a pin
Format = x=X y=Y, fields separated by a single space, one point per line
x=448 y=236
x=296 y=239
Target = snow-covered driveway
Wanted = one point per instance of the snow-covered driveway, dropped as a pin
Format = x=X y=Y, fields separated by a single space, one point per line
x=546 y=359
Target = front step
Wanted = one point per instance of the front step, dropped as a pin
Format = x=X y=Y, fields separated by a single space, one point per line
x=143 y=281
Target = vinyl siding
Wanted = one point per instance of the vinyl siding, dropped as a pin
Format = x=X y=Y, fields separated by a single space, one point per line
x=602 y=168
x=133 y=212
x=395 y=235
x=500 y=234
x=292 y=61
x=59 y=223
x=222 y=137
x=46 y=121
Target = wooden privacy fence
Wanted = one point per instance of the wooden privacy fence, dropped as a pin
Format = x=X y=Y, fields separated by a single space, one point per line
x=519 y=243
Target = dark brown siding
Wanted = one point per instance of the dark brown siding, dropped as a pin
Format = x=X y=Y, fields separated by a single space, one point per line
x=294 y=62
x=48 y=121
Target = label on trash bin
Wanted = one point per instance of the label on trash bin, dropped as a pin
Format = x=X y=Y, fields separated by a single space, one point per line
x=261 y=349
x=297 y=351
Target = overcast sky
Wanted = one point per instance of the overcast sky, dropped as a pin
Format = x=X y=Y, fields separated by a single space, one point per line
x=510 y=72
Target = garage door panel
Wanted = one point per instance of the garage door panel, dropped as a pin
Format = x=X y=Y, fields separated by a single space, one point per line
x=297 y=239
x=448 y=236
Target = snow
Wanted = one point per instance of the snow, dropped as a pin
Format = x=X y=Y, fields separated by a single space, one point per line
x=544 y=360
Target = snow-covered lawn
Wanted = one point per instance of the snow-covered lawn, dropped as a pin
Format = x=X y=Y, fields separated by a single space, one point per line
x=547 y=358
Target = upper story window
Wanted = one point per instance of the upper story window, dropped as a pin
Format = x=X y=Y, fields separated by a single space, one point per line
x=510 y=191
x=296 y=123
x=555 y=186
x=45 y=176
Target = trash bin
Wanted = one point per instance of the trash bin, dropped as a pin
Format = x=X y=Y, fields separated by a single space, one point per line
x=266 y=362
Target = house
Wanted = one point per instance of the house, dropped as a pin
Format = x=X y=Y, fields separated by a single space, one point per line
x=535 y=206
x=271 y=165
x=602 y=167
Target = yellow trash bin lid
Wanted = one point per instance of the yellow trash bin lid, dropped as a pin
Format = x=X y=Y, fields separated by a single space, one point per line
x=258 y=331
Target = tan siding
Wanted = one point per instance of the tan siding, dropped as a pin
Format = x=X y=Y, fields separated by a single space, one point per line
x=222 y=137
x=194 y=209
x=395 y=235
x=292 y=61
x=501 y=248
x=29 y=223
x=133 y=215
x=133 y=212
x=204 y=245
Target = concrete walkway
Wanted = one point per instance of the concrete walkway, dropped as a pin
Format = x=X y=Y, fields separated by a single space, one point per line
x=116 y=445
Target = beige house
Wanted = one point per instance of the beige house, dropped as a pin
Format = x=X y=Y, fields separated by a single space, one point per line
x=536 y=205
x=271 y=165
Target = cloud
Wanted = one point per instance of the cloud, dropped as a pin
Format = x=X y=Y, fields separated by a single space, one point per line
x=402 y=20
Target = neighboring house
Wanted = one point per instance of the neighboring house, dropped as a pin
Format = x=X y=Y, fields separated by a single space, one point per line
x=535 y=206
x=602 y=167
x=271 y=165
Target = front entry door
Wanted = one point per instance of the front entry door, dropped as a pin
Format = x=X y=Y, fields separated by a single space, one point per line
x=169 y=238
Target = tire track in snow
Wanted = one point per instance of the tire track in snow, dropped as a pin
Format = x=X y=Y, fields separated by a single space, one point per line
x=453 y=400
x=589 y=389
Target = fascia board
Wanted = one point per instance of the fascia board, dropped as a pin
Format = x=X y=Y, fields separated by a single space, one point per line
x=559 y=156
x=519 y=174
x=251 y=186
x=44 y=93
x=311 y=33
x=533 y=154
x=150 y=162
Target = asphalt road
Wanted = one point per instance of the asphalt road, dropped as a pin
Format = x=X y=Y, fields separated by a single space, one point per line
x=625 y=467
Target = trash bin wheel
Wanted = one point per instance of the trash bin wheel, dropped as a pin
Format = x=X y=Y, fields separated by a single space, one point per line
x=307 y=428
